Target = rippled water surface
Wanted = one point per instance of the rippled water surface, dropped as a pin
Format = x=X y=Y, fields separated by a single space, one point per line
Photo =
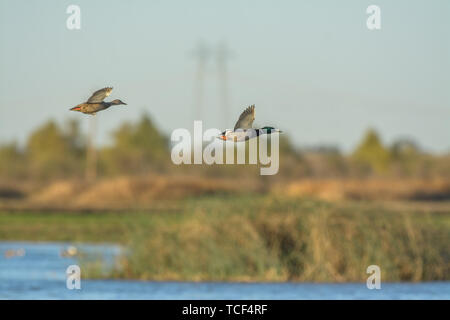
x=38 y=271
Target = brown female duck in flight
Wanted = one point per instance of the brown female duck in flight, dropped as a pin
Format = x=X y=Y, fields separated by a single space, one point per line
x=95 y=103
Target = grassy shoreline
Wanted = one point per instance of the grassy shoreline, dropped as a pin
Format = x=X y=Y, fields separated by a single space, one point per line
x=256 y=238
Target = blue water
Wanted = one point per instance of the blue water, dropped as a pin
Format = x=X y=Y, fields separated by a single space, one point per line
x=40 y=273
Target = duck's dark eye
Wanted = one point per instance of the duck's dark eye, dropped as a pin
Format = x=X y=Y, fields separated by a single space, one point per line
x=223 y=133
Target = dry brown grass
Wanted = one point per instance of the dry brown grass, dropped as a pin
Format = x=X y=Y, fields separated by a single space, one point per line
x=127 y=192
x=368 y=189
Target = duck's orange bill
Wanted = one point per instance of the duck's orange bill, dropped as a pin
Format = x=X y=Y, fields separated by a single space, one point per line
x=223 y=137
x=76 y=108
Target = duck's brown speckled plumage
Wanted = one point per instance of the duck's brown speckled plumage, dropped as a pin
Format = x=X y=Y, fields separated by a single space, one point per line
x=95 y=103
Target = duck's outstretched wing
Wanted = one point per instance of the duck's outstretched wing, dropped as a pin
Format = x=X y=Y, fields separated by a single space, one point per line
x=246 y=119
x=99 y=95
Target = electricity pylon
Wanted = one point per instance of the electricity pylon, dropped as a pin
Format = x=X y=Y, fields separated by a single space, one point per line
x=201 y=53
x=222 y=55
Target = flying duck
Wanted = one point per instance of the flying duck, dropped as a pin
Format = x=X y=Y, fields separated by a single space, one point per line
x=95 y=103
x=243 y=128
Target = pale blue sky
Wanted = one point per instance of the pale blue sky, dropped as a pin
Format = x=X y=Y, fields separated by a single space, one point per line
x=311 y=67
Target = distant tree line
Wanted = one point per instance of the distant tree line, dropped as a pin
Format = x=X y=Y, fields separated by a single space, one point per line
x=59 y=151
x=55 y=151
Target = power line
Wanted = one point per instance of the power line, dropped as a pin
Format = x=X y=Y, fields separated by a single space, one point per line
x=222 y=55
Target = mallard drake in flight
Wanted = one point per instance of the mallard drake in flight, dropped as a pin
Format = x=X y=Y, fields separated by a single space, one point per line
x=95 y=103
x=243 y=128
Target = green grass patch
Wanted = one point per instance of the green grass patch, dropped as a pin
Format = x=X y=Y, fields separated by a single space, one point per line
x=256 y=238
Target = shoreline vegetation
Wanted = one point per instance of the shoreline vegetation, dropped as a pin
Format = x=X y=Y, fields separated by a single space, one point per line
x=324 y=217
x=256 y=237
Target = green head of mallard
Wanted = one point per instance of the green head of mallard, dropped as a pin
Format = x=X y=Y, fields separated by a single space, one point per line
x=270 y=130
